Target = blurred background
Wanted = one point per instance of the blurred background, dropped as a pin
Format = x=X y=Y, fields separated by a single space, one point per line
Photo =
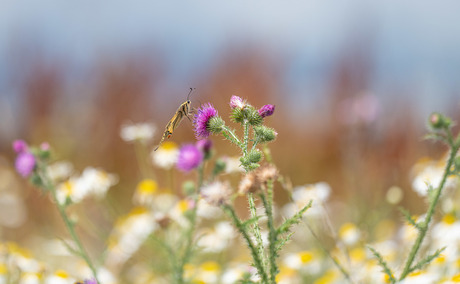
x=353 y=83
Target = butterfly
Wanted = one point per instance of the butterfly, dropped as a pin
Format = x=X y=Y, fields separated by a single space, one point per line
x=181 y=112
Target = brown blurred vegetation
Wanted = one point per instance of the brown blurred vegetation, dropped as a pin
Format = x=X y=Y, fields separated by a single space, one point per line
x=82 y=123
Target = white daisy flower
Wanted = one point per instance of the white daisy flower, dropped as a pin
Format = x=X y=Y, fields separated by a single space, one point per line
x=166 y=155
x=142 y=132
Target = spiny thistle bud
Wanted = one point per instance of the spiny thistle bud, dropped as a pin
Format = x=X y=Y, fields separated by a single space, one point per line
x=266 y=110
x=219 y=167
x=237 y=102
x=439 y=121
x=238 y=115
x=254 y=156
x=188 y=187
x=265 y=134
x=247 y=164
x=215 y=124
x=253 y=117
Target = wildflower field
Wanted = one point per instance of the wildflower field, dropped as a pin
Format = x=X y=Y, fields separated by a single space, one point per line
x=230 y=142
x=191 y=212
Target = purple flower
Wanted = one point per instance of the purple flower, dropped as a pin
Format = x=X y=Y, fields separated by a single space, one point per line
x=19 y=146
x=204 y=145
x=25 y=163
x=237 y=102
x=45 y=146
x=190 y=157
x=266 y=110
x=201 y=121
x=91 y=281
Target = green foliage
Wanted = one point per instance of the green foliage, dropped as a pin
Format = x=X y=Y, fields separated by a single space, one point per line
x=427 y=260
x=383 y=264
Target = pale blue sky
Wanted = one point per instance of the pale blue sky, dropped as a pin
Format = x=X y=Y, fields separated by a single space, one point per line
x=413 y=43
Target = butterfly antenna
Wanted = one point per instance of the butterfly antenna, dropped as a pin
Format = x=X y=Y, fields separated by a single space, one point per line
x=191 y=90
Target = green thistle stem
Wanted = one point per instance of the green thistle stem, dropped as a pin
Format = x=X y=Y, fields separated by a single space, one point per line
x=241 y=228
x=272 y=234
x=68 y=223
x=256 y=230
x=423 y=227
x=245 y=137
x=230 y=135
x=189 y=234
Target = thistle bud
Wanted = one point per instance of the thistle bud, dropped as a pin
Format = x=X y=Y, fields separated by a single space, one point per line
x=439 y=121
x=265 y=134
x=215 y=124
x=266 y=110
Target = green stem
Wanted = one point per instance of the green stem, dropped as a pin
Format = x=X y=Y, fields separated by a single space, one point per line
x=272 y=235
x=171 y=255
x=423 y=227
x=69 y=224
x=326 y=251
x=245 y=137
x=256 y=230
x=230 y=135
x=255 y=256
x=189 y=234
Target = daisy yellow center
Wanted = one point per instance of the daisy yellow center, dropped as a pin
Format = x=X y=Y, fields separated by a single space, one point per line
x=285 y=272
x=305 y=256
x=169 y=146
x=347 y=228
x=456 y=278
x=147 y=186
x=138 y=211
x=417 y=273
x=210 y=266
x=3 y=269
x=68 y=185
x=182 y=205
x=440 y=259
x=328 y=277
x=358 y=254
x=387 y=278
x=448 y=219
x=62 y=274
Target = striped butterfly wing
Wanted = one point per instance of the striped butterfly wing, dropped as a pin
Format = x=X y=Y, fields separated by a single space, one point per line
x=181 y=112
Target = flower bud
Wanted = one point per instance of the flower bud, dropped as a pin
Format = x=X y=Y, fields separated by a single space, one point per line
x=216 y=124
x=266 y=110
x=19 y=146
x=265 y=134
x=237 y=102
x=253 y=117
x=439 y=121
x=254 y=156
x=205 y=146
x=188 y=187
x=219 y=167
x=238 y=115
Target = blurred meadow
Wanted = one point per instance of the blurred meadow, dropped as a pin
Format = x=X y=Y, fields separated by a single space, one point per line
x=353 y=85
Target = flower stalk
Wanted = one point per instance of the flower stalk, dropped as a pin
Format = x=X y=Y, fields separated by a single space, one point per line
x=80 y=250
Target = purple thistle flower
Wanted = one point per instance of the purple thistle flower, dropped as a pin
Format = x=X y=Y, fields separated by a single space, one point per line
x=19 y=146
x=190 y=157
x=25 y=163
x=91 y=281
x=237 y=102
x=266 y=110
x=204 y=145
x=201 y=121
